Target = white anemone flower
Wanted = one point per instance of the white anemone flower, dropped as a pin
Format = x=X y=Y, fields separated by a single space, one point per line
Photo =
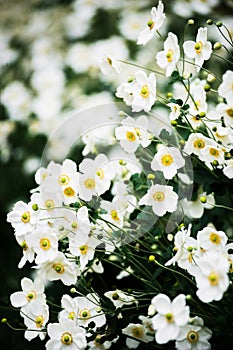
x=156 y=21
x=162 y=199
x=225 y=88
x=211 y=239
x=64 y=334
x=196 y=143
x=84 y=247
x=31 y=292
x=168 y=160
x=35 y=320
x=194 y=336
x=120 y=298
x=109 y=65
x=200 y=49
x=212 y=280
x=228 y=169
x=133 y=133
x=171 y=315
x=169 y=58
x=138 y=332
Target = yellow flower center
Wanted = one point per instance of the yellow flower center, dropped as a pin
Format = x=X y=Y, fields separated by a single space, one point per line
x=24 y=245
x=69 y=192
x=25 y=217
x=114 y=215
x=198 y=47
x=83 y=249
x=169 y=55
x=144 y=91
x=230 y=112
x=89 y=183
x=169 y=317
x=45 y=243
x=71 y=315
x=137 y=332
x=150 y=24
x=84 y=314
x=167 y=160
x=100 y=173
x=215 y=238
x=59 y=268
x=159 y=196
x=66 y=338
x=214 y=152
x=39 y=321
x=130 y=136
x=213 y=279
x=74 y=225
x=199 y=144
x=192 y=336
x=64 y=180
x=31 y=295
x=49 y=204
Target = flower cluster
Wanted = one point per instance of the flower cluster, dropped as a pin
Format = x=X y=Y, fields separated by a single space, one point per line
x=137 y=233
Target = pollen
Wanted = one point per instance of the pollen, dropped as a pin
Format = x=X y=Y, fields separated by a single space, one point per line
x=144 y=91
x=169 y=55
x=59 y=268
x=213 y=279
x=69 y=192
x=199 y=144
x=49 y=204
x=130 y=136
x=215 y=238
x=64 y=180
x=198 y=47
x=159 y=196
x=192 y=336
x=31 y=295
x=114 y=215
x=39 y=321
x=84 y=314
x=137 y=332
x=83 y=249
x=66 y=338
x=150 y=24
x=169 y=317
x=25 y=217
x=45 y=243
x=100 y=173
x=230 y=112
x=89 y=183
x=167 y=160
x=214 y=152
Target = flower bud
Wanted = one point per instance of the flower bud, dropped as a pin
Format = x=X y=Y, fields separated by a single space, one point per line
x=190 y=21
x=150 y=176
x=219 y=24
x=151 y=258
x=207 y=87
x=209 y=21
x=203 y=199
x=217 y=45
x=174 y=123
x=4 y=320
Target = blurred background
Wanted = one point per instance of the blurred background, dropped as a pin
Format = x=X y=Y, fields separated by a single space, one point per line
x=50 y=52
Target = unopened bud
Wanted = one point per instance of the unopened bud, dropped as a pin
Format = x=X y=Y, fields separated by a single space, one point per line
x=217 y=45
x=209 y=21
x=150 y=176
x=174 y=123
x=151 y=258
x=191 y=21
x=219 y=24
x=207 y=87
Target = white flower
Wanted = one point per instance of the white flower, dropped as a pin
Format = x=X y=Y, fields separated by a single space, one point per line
x=84 y=247
x=162 y=199
x=144 y=91
x=226 y=110
x=59 y=269
x=77 y=223
x=212 y=280
x=156 y=21
x=66 y=333
x=131 y=23
x=31 y=292
x=120 y=298
x=210 y=238
x=109 y=65
x=175 y=110
x=200 y=50
x=28 y=252
x=194 y=336
x=228 y=169
x=124 y=91
x=212 y=153
x=138 y=332
x=225 y=89
x=23 y=218
x=35 y=320
x=133 y=133
x=85 y=61
x=171 y=315
x=90 y=310
x=196 y=143
x=45 y=244
x=115 y=213
x=168 y=160
x=195 y=209
x=70 y=308
x=168 y=58
x=49 y=81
